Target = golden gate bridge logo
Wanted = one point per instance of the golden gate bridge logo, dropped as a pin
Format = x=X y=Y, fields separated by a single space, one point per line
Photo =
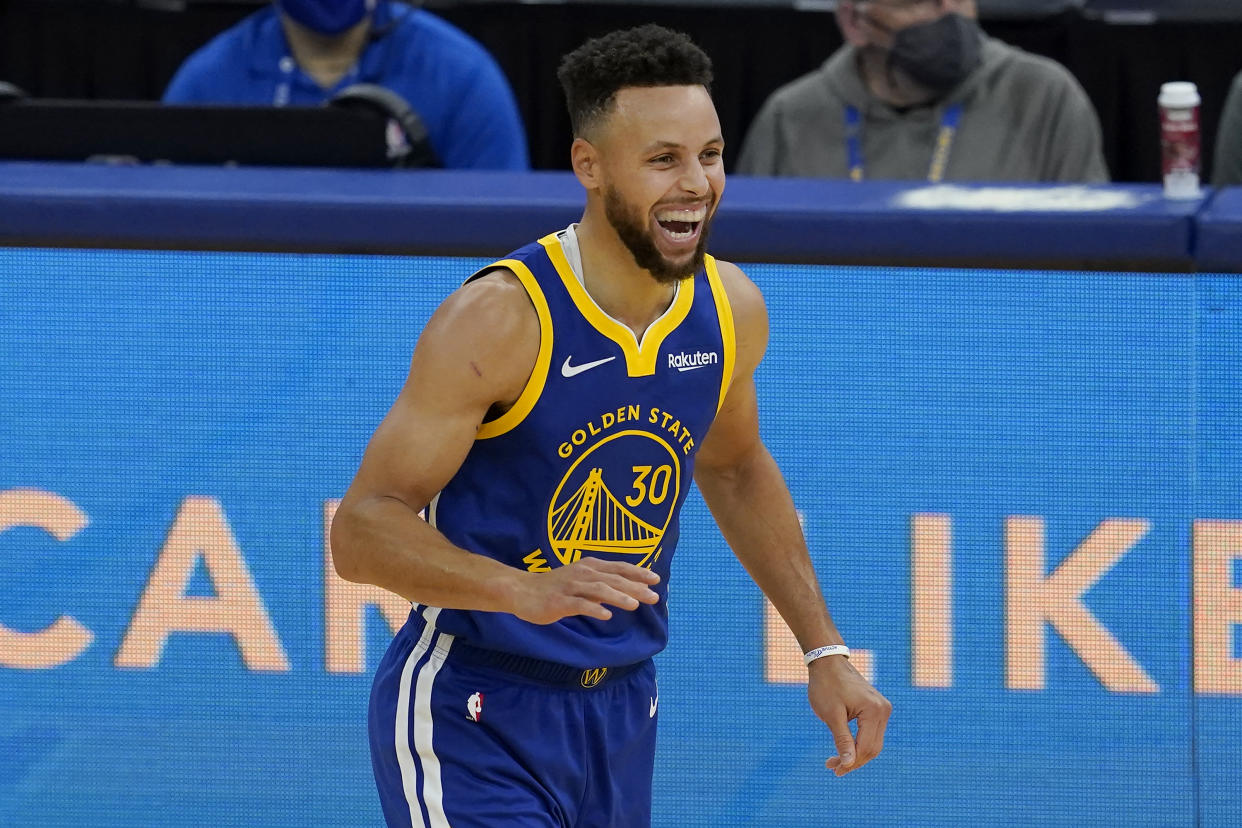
x=593 y=520
x=627 y=524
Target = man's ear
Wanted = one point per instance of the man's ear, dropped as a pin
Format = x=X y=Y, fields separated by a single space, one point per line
x=848 y=23
x=584 y=159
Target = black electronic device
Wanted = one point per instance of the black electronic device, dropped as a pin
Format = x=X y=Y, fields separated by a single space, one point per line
x=148 y=132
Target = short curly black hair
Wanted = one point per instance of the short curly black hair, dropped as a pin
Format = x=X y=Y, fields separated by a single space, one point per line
x=649 y=55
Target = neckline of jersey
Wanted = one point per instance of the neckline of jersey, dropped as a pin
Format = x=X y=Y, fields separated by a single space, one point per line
x=640 y=356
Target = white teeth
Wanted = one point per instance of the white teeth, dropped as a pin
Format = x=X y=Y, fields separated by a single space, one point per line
x=683 y=215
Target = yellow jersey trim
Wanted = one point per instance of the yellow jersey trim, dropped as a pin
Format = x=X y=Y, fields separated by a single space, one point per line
x=640 y=358
x=728 y=336
x=539 y=374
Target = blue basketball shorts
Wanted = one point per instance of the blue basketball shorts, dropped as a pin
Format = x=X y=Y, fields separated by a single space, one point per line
x=471 y=738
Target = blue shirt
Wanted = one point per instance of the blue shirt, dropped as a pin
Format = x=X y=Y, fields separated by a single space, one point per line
x=450 y=80
x=594 y=459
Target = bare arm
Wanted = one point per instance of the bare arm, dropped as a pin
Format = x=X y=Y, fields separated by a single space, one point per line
x=475 y=355
x=751 y=503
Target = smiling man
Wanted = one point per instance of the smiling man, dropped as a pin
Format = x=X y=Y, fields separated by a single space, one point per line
x=918 y=92
x=557 y=407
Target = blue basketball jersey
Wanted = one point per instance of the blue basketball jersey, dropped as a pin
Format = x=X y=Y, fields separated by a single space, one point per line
x=595 y=457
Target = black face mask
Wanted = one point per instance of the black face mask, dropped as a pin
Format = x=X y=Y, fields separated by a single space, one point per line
x=940 y=54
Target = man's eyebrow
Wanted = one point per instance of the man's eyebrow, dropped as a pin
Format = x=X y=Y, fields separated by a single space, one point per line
x=659 y=145
x=665 y=145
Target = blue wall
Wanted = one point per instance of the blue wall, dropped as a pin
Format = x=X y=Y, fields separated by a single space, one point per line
x=132 y=381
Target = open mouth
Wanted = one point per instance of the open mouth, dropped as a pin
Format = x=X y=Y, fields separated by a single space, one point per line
x=682 y=224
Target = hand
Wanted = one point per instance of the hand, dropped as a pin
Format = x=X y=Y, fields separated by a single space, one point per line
x=838 y=695
x=582 y=588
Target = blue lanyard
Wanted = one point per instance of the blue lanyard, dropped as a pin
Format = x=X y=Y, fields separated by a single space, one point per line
x=940 y=155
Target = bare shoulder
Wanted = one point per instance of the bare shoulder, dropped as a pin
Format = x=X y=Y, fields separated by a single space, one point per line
x=485 y=334
x=744 y=295
x=473 y=356
x=494 y=303
x=750 y=314
x=493 y=309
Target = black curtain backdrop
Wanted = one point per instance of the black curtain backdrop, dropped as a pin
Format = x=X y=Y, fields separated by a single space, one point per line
x=110 y=50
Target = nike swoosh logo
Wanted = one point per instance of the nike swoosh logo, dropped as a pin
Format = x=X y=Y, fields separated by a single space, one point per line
x=568 y=370
x=654 y=704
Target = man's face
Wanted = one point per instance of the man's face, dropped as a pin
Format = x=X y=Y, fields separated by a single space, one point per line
x=662 y=175
x=878 y=20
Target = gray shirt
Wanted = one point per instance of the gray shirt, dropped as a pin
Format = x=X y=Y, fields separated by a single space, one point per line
x=1227 y=168
x=1023 y=118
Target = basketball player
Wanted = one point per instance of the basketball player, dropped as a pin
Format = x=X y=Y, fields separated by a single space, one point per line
x=556 y=409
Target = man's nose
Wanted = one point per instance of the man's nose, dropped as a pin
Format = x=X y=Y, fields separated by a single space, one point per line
x=694 y=178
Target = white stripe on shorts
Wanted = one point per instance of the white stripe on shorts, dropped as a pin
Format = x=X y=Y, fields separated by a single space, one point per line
x=433 y=791
x=405 y=759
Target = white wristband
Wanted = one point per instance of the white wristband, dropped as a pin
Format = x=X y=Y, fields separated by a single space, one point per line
x=830 y=650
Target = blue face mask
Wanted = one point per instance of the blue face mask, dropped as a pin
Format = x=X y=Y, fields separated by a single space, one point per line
x=326 y=16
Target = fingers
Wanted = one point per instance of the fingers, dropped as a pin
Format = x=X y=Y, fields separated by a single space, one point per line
x=626 y=570
x=629 y=590
x=582 y=606
x=872 y=722
x=854 y=751
x=613 y=582
x=585 y=587
x=843 y=762
x=617 y=593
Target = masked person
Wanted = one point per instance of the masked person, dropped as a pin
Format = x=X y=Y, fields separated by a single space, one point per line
x=918 y=92
x=302 y=52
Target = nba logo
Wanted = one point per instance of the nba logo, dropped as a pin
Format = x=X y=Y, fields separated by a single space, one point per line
x=474 y=707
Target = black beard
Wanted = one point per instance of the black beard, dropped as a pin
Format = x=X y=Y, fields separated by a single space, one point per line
x=633 y=233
